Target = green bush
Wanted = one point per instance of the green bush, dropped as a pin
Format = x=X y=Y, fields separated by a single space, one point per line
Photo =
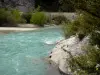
x=3 y=15
x=83 y=25
x=17 y=15
x=49 y=20
x=86 y=64
x=87 y=23
x=70 y=28
x=95 y=39
x=59 y=19
x=6 y=18
x=38 y=18
x=27 y=16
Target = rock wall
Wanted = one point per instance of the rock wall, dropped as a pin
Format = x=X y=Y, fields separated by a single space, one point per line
x=68 y=15
x=61 y=53
x=23 y=5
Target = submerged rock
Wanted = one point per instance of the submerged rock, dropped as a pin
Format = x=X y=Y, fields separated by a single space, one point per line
x=61 y=53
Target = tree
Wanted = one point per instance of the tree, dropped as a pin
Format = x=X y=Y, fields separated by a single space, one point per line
x=47 y=5
x=66 y=5
x=88 y=20
x=90 y=6
x=88 y=24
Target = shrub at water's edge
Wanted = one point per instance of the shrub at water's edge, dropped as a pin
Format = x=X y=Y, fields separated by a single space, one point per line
x=38 y=18
x=6 y=18
x=86 y=24
x=13 y=17
x=10 y=18
x=59 y=19
x=27 y=16
x=86 y=64
x=17 y=15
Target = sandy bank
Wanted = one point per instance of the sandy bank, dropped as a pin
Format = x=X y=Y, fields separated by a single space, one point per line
x=14 y=29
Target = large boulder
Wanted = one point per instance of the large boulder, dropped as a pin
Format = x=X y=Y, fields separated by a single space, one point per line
x=65 y=49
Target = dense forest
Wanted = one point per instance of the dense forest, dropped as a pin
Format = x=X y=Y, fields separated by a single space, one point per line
x=56 y=5
x=50 y=6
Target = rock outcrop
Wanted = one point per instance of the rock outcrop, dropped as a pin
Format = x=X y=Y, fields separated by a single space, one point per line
x=61 y=53
x=23 y=5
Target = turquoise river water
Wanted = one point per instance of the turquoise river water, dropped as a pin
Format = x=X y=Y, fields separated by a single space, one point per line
x=24 y=53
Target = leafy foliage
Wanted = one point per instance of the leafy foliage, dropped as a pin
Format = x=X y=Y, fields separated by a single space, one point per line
x=17 y=15
x=48 y=5
x=87 y=23
x=27 y=16
x=59 y=19
x=89 y=6
x=10 y=17
x=6 y=18
x=87 y=63
x=66 y=5
x=95 y=39
x=56 y=5
x=38 y=18
x=84 y=24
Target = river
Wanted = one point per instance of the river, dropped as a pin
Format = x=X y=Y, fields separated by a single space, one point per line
x=24 y=53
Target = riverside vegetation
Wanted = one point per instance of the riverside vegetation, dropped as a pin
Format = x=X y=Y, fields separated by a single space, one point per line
x=13 y=17
x=10 y=17
x=86 y=24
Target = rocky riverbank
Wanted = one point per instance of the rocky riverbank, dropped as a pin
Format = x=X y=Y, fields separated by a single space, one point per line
x=62 y=51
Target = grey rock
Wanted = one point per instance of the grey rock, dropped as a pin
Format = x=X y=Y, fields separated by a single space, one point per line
x=23 y=5
x=61 y=53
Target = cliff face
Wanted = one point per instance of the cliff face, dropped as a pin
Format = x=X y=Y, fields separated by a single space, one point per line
x=61 y=53
x=23 y=5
